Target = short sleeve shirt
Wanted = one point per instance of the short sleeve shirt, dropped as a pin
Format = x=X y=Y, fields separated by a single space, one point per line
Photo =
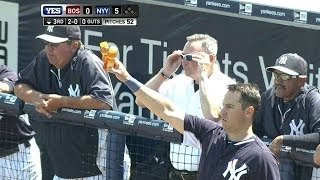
x=180 y=90
x=246 y=160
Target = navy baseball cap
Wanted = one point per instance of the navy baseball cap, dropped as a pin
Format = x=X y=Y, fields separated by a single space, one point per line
x=290 y=63
x=58 y=34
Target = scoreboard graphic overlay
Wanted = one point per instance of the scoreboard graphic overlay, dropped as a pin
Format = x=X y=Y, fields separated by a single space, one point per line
x=89 y=15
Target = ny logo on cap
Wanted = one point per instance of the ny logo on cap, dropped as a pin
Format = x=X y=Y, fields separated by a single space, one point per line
x=50 y=28
x=283 y=60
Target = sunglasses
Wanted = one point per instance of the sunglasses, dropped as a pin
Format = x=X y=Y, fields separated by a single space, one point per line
x=187 y=57
x=53 y=44
x=283 y=77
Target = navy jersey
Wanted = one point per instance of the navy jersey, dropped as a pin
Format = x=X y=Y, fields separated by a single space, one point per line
x=83 y=75
x=302 y=116
x=297 y=117
x=246 y=160
x=72 y=149
x=13 y=130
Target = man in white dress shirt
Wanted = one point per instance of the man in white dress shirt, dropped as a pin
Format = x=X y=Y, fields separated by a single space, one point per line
x=192 y=91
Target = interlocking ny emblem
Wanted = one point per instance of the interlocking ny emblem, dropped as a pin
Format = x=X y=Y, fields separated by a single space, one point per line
x=297 y=129
x=235 y=174
x=283 y=60
x=50 y=28
x=74 y=92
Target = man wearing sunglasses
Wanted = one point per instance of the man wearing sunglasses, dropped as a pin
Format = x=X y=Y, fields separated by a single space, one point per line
x=66 y=74
x=198 y=90
x=291 y=107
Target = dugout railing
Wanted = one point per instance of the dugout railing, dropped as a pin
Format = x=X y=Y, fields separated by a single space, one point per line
x=147 y=139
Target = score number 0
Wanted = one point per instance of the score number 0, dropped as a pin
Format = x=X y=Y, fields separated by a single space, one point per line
x=87 y=9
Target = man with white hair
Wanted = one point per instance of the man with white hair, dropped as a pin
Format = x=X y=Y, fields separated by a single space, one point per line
x=199 y=90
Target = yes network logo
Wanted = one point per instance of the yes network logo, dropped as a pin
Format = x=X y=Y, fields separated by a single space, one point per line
x=52 y=10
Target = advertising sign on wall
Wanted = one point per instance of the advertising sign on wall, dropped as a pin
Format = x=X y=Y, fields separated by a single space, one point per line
x=246 y=46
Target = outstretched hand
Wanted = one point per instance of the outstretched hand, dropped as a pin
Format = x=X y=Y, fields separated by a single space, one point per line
x=119 y=71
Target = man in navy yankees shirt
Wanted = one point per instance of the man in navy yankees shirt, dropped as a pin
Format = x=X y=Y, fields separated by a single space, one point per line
x=230 y=152
x=290 y=107
x=66 y=74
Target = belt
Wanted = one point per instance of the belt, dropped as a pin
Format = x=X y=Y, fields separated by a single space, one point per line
x=7 y=152
x=182 y=174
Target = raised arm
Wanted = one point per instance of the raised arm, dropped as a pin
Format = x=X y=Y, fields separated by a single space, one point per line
x=210 y=109
x=172 y=64
x=154 y=83
x=154 y=101
x=161 y=106
x=209 y=106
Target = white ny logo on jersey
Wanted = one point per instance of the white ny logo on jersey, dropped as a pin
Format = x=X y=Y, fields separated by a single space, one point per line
x=235 y=174
x=297 y=130
x=283 y=60
x=74 y=92
x=50 y=28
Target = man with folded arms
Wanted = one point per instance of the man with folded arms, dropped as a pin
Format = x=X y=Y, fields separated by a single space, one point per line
x=66 y=74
